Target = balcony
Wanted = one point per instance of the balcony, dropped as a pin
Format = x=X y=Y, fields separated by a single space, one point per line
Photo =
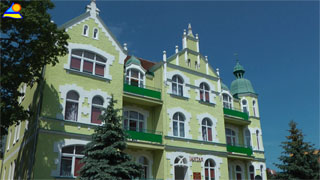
x=145 y=136
x=239 y=149
x=235 y=116
x=143 y=95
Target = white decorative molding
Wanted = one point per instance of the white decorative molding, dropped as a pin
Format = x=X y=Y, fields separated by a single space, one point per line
x=110 y=58
x=214 y=121
x=233 y=165
x=83 y=94
x=139 y=68
x=57 y=147
x=226 y=92
x=187 y=115
x=172 y=156
x=257 y=165
x=253 y=131
x=137 y=154
x=218 y=162
x=212 y=96
x=248 y=107
x=186 y=80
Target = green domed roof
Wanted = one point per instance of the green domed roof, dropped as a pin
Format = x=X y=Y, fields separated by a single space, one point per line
x=241 y=85
x=224 y=87
x=133 y=60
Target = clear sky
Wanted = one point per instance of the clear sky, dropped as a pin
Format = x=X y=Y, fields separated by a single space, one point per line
x=277 y=43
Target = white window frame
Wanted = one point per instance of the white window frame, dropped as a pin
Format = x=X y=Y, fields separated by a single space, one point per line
x=211 y=86
x=181 y=163
x=206 y=126
x=255 y=108
x=186 y=81
x=258 y=139
x=245 y=137
x=209 y=169
x=143 y=165
x=176 y=83
x=72 y=101
x=179 y=122
x=97 y=35
x=232 y=136
x=136 y=120
x=73 y=156
x=249 y=172
x=139 y=79
x=204 y=91
x=245 y=106
x=241 y=172
x=228 y=102
x=87 y=31
x=96 y=106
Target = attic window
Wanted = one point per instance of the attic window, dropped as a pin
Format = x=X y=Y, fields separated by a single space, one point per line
x=95 y=33
x=189 y=62
x=196 y=64
x=85 y=30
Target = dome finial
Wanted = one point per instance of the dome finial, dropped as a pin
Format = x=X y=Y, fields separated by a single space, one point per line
x=238 y=70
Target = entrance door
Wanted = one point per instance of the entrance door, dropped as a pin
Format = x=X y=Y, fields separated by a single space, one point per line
x=180 y=172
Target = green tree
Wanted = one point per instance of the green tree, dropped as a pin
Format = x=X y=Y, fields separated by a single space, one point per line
x=104 y=156
x=299 y=160
x=27 y=45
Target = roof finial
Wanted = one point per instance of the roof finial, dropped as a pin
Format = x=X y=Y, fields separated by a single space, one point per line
x=92 y=8
x=190 y=29
x=237 y=58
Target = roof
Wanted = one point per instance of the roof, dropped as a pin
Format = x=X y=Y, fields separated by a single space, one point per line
x=238 y=67
x=146 y=64
x=240 y=86
x=224 y=87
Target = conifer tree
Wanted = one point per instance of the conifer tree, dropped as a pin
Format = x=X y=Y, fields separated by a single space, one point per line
x=299 y=159
x=105 y=157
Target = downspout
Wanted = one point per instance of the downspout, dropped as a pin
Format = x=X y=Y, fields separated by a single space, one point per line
x=36 y=125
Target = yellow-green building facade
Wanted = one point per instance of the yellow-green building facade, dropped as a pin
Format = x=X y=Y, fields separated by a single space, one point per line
x=182 y=121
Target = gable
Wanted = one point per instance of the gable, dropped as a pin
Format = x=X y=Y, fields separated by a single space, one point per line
x=106 y=40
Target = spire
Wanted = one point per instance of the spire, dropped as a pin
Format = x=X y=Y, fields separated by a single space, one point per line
x=92 y=8
x=190 y=30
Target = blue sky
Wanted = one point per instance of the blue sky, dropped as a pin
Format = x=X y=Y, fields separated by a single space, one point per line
x=277 y=43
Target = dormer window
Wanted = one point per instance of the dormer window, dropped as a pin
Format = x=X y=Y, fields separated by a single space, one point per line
x=135 y=77
x=95 y=33
x=177 y=85
x=227 y=101
x=86 y=61
x=85 y=30
x=244 y=106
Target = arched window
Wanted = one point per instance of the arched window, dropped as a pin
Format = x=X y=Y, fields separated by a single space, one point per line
x=227 y=101
x=189 y=62
x=88 y=62
x=238 y=172
x=204 y=92
x=257 y=133
x=180 y=168
x=144 y=162
x=134 y=77
x=209 y=169
x=95 y=33
x=244 y=106
x=85 y=30
x=97 y=103
x=70 y=160
x=72 y=102
x=231 y=137
x=177 y=85
x=178 y=124
x=251 y=172
x=248 y=138
x=261 y=170
x=207 y=129
x=254 y=108
x=133 y=121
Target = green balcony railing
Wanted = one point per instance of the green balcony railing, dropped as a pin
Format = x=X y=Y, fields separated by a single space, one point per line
x=145 y=135
x=236 y=113
x=239 y=149
x=148 y=91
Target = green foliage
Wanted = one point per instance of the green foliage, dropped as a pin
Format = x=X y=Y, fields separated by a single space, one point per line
x=104 y=155
x=27 y=45
x=299 y=159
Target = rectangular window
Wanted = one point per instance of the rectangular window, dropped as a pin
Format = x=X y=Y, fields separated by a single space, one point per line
x=174 y=89
x=206 y=173
x=181 y=129
x=77 y=166
x=96 y=112
x=87 y=66
x=66 y=166
x=180 y=90
x=201 y=95
x=209 y=134
x=99 y=70
x=212 y=174
x=207 y=96
x=175 y=128
x=133 y=125
x=75 y=63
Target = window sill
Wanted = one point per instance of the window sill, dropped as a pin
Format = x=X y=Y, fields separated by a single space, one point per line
x=179 y=97
x=206 y=103
x=87 y=74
